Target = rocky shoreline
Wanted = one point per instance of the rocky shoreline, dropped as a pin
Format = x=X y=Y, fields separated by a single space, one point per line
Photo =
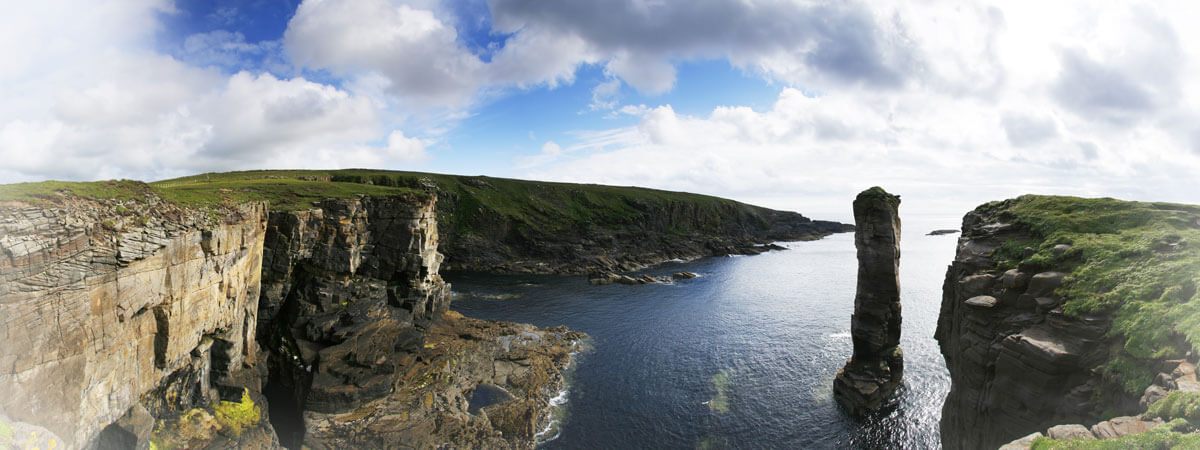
x=133 y=321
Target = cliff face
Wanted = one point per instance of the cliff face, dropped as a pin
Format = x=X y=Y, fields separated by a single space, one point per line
x=345 y=287
x=131 y=320
x=115 y=311
x=1061 y=311
x=350 y=307
x=632 y=234
x=504 y=225
x=869 y=380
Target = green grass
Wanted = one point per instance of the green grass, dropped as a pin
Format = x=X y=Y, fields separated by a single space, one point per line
x=283 y=194
x=1173 y=435
x=470 y=205
x=1139 y=262
x=48 y=190
x=1177 y=405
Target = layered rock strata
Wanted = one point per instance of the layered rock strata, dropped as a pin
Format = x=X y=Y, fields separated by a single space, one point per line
x=119 y=310
x=869 y=380
x=1017 y=362
x=134 y=321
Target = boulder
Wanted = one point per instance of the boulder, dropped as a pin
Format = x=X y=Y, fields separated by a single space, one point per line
x=1024 y=443
x=1072 y=431
x=1120 y=426
x=982 y=301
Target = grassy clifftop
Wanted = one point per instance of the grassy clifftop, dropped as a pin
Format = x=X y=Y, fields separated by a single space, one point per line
x=496 y=223
x=1136 y=261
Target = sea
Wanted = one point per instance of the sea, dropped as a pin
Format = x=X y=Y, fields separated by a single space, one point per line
x=742 y=357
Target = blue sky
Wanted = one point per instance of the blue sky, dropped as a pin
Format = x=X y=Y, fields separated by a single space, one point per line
x=507 y=125
x=793 y=105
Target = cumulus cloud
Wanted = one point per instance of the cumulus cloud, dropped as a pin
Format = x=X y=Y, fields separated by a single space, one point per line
x=416 y=50
x=811 y=153
x=107 y=106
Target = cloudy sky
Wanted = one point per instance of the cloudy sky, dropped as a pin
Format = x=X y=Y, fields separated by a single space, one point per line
x=785 y=103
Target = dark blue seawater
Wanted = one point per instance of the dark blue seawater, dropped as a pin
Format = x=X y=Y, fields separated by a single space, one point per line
x=743 y=357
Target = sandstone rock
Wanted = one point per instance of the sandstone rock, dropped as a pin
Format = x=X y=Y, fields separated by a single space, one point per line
x=982 y=301
x=1024 y=443
x=1044 y=284
x=1073 y=431
x=1022 y=365
x=1014 y=279
x=869 y=380
x=1120 y=426
x=108 y=307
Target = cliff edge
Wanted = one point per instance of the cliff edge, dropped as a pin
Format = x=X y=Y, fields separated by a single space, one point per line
x=1061 y=310
x=135 y=316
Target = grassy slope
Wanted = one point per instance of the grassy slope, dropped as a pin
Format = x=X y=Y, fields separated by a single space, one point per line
x=546 y=206
x=549 y=207
x=1138 y=261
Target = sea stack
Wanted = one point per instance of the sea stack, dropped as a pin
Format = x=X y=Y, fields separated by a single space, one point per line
x=869 y=380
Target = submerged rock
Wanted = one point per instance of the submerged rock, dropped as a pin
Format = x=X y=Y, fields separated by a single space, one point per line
x=869 y=380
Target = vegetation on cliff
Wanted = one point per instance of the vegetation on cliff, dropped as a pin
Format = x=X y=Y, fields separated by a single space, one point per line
x=199 y=427
x=494 y=223
x=1173 y=435
x=1138 y=262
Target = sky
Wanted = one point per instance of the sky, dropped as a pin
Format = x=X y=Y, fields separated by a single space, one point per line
x=788 y=104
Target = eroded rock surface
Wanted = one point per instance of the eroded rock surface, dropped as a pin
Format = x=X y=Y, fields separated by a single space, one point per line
x=1017 y=363
x=351 y=301
x=515 y=368
x=127 y=321
x=869 y=380
x=116 y=306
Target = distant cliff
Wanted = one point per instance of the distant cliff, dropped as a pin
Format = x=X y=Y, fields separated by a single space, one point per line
x=259 y=309
x=1061 y=310
x=506 y=225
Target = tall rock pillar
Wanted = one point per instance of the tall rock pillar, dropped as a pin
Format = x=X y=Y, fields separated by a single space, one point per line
x=869 y=380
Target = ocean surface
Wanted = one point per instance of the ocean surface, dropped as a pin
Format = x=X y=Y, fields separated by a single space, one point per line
x=742 y=357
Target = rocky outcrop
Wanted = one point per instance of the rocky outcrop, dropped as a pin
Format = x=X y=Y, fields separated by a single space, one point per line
x=470 y=384
x=115 y=311
x=1179 y=376
x=131 y=321
x=1018 y=364
x=351 y=297
x=345 y=288
x=517 y=226
x=869 y=380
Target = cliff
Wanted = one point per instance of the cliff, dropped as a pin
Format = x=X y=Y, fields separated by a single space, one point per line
x=868 y=382
x=1061 y=310
x=119 y=310
x=199 y=319
x=504 y=225
x=350 y=306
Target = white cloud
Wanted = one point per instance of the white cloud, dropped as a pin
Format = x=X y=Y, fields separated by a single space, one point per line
x=96 y=102
x=950 y=104
x=812 y=153
x=413 y=48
